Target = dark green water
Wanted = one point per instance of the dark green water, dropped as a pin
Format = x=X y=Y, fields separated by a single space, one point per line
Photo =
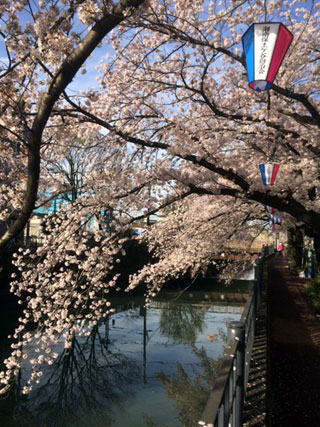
x=150 y=366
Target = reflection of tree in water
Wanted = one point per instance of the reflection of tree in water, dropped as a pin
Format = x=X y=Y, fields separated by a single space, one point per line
x=181 y=322
x=83 y=382
x=191 y=393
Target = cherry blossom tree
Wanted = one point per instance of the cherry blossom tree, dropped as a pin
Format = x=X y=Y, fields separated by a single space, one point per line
x=177 y=128
x=43 y=56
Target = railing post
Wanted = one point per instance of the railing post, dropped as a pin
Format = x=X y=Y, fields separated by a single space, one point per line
x=254 y=292
x=258 y=269
x=238 y=331
x=258 y=273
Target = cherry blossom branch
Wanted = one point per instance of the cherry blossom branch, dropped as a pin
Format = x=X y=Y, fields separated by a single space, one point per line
x=310 y=218
x=292 y=207
x=177 y=34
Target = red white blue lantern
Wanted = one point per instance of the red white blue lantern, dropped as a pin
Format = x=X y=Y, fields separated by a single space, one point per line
x=272 y=226
x=269 y=172
x=269 y=209
x=273 y=218
x=265 y=46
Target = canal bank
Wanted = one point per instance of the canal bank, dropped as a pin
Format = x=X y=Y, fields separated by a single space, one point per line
x=284 y=379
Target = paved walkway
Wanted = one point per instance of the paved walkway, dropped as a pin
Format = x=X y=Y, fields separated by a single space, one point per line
x=294 y=351
x=284 y=383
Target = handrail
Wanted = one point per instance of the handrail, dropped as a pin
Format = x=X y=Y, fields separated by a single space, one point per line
x=225 y=403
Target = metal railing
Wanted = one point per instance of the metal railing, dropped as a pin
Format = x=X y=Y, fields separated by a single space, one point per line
x=225 y=403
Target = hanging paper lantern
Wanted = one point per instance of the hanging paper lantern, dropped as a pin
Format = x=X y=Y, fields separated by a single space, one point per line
x=272 y=226
x=274 y=218
x=268 y=172
x=265 y=46
x=269 y=209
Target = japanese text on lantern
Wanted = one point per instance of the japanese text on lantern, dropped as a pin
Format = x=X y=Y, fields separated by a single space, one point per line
x=264 y=45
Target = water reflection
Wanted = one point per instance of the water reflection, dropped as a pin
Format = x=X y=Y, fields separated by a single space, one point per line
x=83 y=379
x=182 y=322
x=142 y=366
x=190 y=391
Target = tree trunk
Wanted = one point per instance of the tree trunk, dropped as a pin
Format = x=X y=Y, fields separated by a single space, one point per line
x=317 y=248
x=295 y=242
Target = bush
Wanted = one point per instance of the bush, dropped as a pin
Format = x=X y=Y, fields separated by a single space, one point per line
x=292 y=264
x=312 y=293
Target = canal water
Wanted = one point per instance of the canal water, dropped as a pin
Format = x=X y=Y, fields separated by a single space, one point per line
x=147 y=366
